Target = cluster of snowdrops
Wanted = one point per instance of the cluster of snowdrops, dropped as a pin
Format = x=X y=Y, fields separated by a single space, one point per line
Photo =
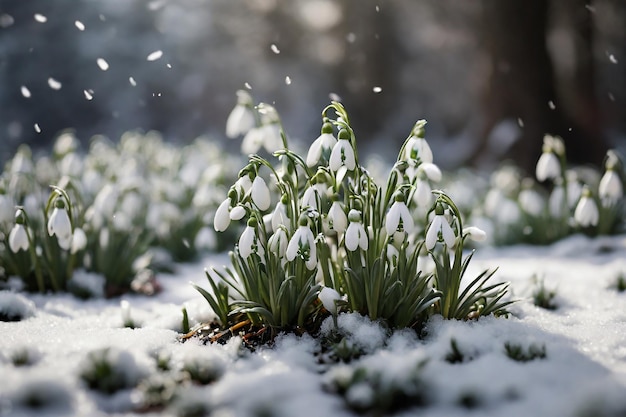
x=314 y=234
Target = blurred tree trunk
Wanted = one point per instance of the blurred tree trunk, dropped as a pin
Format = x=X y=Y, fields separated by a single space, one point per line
x=522 y=85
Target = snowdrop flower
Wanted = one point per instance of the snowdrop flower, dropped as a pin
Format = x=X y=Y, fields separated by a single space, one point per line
x=475 y=233
x=241 y=118
x=221 y=220
x=253 y=140
x=530 y=200
x=279 y=215
x=356 y=236
x=439 y=229
x=79 y=240
x=548 y=167
x=556 y=202
x=342 y=153
x=277 y=243
x=59 y=225
x=260 y=193
x=586 y=213
x=574 y=188
x=309 y=198
x=338 y=221
x=423 y=195
x=18 y=238
x=398 y=217
x=328 y=296
x=322 y=145
x=248 y=243
x=302 y=245
x=417 y=149
x=610 y=189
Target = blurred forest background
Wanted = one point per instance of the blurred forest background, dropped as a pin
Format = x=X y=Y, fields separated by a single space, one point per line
x=491 y=77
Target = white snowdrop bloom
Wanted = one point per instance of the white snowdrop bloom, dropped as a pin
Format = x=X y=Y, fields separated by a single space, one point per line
x=302 y=244
x=556 y=202
x=279 y=216
x=18 y=238
x=548 y=167
x=103 y=237
x=586 y=213
x=221 y=220
x=79 y=240
x=423 y=195
x=309 y=198
x=475 y=233
x=22 y=162
x=338 y=221
x=342 y=154
x=328 y=296
x=323 y=144
x=432 y=171
x=252 y=141
x=237 y=213
x=392 y=256
x=277 y=243
x=260 y=193
x=439 y=229
x=507 y=212
x=398 y=217
x=574 y=188
x=248 y=241
x=106 y=200
x=418 y=149
x=243 y=185
x=356 y=236
x=59 y=225
x=272 y=140
x=530 y=201
x=610 y=189
x=241 y=119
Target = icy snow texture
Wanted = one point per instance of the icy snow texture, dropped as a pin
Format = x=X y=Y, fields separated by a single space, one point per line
x=584 y=370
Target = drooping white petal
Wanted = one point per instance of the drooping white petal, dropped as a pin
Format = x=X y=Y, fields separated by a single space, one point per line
x=351 y=239
x=237 y=213
x=556 y=202
x=363 y=238
x=325 y=142
x=431 y=170
x=338 y=218
x=252 y=141
x=548 y=167
x=79 y=240
x=278 y=242
x=342 y=155
x=222 y=216
x=328 y=296
x=18 y=239
x=531 y=202
x=423 y=194
x=247 y=242
x=260 y=194
x=59 y=224
x=586 y=213
x=432 y=235
x=392 y=220
x=240 y=121
x=610 y=189
x=279 y=217
x=475 y=233
x=448 y=234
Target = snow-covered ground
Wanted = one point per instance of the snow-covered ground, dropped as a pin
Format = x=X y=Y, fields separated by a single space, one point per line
x=454 y=368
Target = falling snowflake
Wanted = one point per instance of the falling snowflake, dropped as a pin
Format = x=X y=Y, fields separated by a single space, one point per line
x=288 y=80
x=88 y=94
x=275 y=49
x=377 y=89
x=25 y=91
x=102 y=64
x=551 y=105
x=54 y=84
x=153 y=56
x=79 y=25
x=40 y=18
x=37 y=128
x=248 y=86
x=132 y=81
